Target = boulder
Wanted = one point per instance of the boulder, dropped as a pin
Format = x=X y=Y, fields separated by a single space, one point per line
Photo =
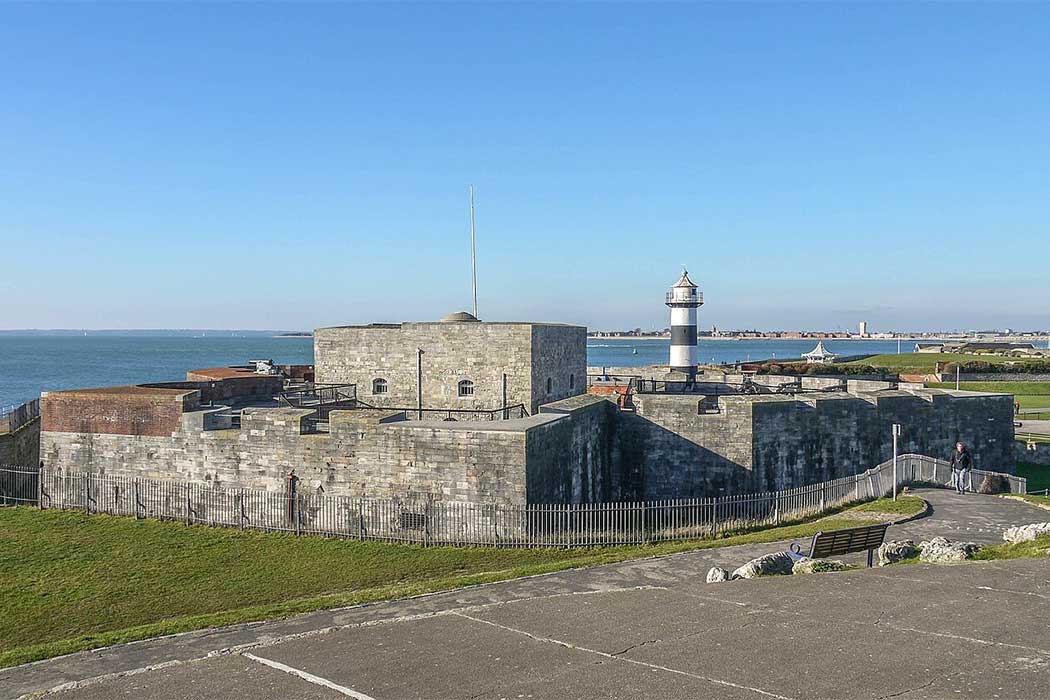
x=896 y=550
x=717 y=574
x=773 y=564
x=941 y=549
x=994 y=483
x=818 y=566
x=1026 y=533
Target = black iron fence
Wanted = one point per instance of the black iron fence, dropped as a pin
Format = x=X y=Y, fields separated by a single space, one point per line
x=430 y=522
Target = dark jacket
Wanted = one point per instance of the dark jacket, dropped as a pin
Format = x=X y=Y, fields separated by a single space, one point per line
x=962 y=460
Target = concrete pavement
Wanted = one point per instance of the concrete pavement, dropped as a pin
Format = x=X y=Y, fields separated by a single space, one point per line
x=1035 y=427
x=649 y=628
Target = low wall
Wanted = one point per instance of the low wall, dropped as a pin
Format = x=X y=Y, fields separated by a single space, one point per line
x=130 y=410
x=995 y=377
x=21 y=447
x=1041 y=455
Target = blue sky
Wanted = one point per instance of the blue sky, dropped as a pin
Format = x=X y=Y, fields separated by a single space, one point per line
x=289 y=166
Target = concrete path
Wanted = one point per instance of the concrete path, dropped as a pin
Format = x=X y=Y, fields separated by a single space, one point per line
x=1036 y=427
x=648 y=628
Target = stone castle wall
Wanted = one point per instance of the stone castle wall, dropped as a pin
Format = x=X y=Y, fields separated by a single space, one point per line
x=371 y=454
x=578 y=449
x=571 y=461
x=559 y=357
x=21 y=447
x=672 y=449
x=480 y=352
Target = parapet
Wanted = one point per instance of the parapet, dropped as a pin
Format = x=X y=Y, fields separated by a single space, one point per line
x=118 y=410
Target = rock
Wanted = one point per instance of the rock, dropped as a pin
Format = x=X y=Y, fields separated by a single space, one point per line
x=717 y=574
x=773 y=564
x=818 y=566
x=896 y=550
x=994 y=483
x=941 y=549
x=1026 y=533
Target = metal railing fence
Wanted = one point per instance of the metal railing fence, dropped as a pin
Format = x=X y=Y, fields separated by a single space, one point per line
x=430 y=522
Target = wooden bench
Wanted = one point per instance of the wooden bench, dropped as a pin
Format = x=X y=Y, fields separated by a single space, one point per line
x=838 y=542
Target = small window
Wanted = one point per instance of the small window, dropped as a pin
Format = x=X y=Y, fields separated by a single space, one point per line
x=379 y=386
x=572 y=381
x=550 y=385
x=466 y=388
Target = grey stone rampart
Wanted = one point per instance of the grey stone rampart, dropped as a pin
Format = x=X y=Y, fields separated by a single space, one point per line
x=21 y=446
x=570 y=460
x=363 y=455
x=671 y=447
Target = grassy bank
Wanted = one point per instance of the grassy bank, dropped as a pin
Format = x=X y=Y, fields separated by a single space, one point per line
x=922 y=362
x=1038 y=475
x=73 y=581
x=1041 y=501
x=1039 y=547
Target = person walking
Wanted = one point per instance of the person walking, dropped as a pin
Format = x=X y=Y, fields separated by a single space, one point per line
x=962 y=463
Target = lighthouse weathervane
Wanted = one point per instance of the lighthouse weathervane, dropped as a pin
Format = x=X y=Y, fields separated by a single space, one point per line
x=684 y=299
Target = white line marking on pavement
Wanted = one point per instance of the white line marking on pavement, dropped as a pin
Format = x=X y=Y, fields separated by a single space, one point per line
x=316 y=680
x=975 y=640
x=567 y=645
x=274 y=641
x=1007 y=590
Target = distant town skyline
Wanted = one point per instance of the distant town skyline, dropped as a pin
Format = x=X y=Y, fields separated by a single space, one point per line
x=293 y=167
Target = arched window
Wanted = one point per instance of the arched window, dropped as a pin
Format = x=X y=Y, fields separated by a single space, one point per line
x=379 y=386
x=466 y=387
x=572 y=381
x=550 y=384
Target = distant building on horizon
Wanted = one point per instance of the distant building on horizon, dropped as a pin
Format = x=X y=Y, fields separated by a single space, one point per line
x=862 y=328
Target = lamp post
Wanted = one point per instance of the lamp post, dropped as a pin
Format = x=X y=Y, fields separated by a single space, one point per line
x=896 y=434
x=419 y=383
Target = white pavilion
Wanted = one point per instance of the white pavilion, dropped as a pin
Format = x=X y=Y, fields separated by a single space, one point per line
x=819 y=355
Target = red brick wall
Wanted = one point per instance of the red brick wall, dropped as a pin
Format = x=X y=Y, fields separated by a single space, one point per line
x=155 y=413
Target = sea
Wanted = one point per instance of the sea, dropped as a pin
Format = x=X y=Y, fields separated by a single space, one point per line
x=32 y=362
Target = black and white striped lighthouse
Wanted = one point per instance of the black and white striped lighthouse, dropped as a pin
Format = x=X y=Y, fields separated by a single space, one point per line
x=684 y=299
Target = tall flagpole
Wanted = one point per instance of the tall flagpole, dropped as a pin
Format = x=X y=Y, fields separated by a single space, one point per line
x=473 y=262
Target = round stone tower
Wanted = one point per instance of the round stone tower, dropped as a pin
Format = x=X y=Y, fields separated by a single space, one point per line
x=684 y=299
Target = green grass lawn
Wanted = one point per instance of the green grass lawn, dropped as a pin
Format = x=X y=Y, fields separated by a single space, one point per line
x=1028 y=394
x=921 y=362
x=73 y=581
x=1038 y=475
x=903 y=506
x=1039 y=547
x=1042 y=501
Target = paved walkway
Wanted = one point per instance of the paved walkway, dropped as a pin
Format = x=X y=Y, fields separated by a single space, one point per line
x=1036 y=427
x=649 y=628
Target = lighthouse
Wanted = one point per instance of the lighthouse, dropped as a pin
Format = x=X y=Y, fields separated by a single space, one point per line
x=684 y=299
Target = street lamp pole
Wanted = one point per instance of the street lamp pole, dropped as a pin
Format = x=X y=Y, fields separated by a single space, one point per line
x=896 y=434
x=419 y=383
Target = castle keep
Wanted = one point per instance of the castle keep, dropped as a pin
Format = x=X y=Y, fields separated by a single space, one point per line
x=457 y=363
